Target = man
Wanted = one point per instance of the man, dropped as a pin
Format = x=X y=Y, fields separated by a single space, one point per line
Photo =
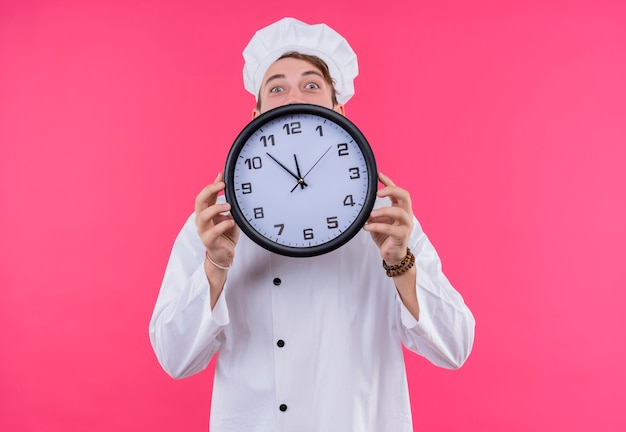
x=309 y=344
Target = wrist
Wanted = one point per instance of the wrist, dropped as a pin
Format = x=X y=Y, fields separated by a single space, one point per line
x=402 y=267
x=219 y=266
x=216 y=276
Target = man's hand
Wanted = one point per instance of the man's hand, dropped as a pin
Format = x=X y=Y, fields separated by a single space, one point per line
x=218 y=233
x=391 y=227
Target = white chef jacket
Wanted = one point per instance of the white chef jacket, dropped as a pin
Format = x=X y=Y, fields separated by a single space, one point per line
x=306 y=344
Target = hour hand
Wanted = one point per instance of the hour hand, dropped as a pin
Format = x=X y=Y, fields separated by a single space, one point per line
x=300 y=180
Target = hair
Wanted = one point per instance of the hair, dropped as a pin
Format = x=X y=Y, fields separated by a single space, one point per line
x=318 y=63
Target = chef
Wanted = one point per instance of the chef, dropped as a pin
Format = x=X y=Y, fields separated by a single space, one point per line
x=306 y=344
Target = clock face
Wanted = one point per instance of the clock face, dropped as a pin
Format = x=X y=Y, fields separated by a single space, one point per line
x=301 y=180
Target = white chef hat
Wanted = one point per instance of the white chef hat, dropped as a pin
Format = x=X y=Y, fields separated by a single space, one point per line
x=289 y=34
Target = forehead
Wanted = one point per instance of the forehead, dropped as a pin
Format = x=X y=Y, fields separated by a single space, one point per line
x=288 y=66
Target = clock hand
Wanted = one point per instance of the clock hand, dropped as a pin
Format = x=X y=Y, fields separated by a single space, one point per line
x=301 y=183
x=307 y=173
x=300 y=179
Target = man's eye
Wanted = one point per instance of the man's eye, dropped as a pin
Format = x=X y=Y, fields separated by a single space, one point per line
x=312 y=86
x=276 y=89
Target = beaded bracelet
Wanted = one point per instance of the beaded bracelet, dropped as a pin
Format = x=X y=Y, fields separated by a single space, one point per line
x=396 y=270
x=221 y=267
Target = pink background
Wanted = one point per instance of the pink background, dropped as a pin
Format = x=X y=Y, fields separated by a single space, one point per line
x=506 y=120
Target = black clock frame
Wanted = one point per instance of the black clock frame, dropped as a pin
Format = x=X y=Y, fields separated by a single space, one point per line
x=285 y=111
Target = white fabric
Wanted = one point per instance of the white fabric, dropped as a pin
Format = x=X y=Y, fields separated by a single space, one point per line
x=289 y=34
x=341 y=367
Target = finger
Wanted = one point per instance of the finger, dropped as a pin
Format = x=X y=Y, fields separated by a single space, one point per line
x=385 y=180
x=391 y=215
x=211 y=215
x=220 y=231
x=208 y=196
x=392 y=190
x=398 y=197
x=398 y=233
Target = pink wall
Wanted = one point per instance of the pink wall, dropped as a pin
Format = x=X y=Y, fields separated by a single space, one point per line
x=505 y=119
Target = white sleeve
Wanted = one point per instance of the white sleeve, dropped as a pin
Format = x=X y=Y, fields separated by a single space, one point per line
x=444 y=333
x=184 y=331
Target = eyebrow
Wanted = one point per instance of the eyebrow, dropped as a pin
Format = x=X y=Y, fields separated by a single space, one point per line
x=280 y=76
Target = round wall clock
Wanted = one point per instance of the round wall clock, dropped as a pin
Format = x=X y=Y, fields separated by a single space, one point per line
x=301 y=180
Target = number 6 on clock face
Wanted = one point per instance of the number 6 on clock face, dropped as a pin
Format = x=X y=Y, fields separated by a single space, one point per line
x=301 y=180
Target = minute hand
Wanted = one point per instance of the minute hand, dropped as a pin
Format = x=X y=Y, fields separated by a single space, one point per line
x=318 y=161
x=300 y=180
